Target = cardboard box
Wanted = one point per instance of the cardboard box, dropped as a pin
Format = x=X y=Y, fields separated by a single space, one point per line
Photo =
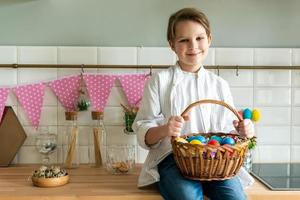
x=12 y=136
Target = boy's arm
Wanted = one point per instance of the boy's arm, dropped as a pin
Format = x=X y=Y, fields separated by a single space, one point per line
x=149 y=114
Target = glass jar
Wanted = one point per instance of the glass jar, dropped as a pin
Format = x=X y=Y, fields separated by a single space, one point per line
x=120 y=158
x=248 y=160
x=97 y=149
x=71 y=144
x=46 y=144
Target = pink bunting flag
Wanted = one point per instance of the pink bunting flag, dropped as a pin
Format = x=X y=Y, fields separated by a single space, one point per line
x=133 y=86
x=66 y=90
x=31 y=98
x=3 y=97
x=99 y=87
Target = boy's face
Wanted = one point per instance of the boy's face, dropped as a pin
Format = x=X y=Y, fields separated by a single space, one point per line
x=191 y=44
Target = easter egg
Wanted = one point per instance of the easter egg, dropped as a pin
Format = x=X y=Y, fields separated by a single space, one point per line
x=213 y=143
x=195 y=142
x=200 y=138
x=190 y=138
x=181 y=140
x=247 y=113
x=215 y=137
x=196 y=137
x=255 y=115
x=228 y=140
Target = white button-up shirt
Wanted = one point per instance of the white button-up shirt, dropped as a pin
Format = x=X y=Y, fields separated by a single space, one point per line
x=167 y=94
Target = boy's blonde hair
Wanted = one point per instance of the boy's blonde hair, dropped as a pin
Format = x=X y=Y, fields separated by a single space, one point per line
x=187 y=14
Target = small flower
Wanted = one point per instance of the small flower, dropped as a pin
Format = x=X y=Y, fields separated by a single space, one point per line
x=130 y=114
x=130 y=110
x=252 y=143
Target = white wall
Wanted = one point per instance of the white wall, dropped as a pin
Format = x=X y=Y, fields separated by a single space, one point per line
x=275 y=92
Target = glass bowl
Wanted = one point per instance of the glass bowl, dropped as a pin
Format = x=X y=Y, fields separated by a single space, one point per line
x=120 y=159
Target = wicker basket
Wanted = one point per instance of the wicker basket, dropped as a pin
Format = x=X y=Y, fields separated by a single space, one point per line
x=206 y=162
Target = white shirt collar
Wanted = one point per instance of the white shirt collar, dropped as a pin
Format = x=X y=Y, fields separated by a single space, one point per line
x=178 y=73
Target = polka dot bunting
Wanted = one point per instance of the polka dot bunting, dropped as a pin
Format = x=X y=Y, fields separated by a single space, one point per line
x=99 y=87
x=31 y=98
x=133 y=87
x=66 y=90
x=3 y=97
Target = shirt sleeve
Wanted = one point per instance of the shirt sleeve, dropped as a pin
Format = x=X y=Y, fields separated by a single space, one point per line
x=149 y=114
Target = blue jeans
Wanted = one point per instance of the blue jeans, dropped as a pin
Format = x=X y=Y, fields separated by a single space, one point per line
x=173 y=185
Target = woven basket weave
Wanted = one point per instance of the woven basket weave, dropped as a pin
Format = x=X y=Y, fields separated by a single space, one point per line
x=206 y=162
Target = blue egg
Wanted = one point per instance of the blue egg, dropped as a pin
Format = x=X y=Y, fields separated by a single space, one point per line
x=189 y=139
x=228 y=140
x=201 y=138
x=215 y=137
x=197 y=137
x=247 y=113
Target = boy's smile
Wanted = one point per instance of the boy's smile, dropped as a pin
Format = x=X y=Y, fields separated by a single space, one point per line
x=191 y=45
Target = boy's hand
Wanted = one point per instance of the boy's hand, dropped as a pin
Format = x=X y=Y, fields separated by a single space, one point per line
x=174 y=126
x=244 y=128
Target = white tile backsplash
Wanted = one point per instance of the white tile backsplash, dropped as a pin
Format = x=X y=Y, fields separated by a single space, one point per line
x=37 y=55
x=156 y=56
x=296 y=78
x=244 y=78
x=113 y=116
x=296 y=57
x=234 y=56
x=117 y=55
x=273 y=56
x=62 y=72
x=296 y=116
x=272 y=154
x=268 y=135
x=77 y=55
x=27 y=75
x=239 y=94
x=8 y=77
x=295 y=158
x=275 y=116
x=8 y=54
x=272 y=78
x=276 y=93
x=116 y=135
x=272 y=96
x=296 y=96
x=295 y=135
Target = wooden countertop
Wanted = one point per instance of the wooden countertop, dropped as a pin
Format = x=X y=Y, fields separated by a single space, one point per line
x=95 y=183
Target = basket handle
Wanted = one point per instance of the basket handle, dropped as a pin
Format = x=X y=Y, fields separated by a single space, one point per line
x=222 y=103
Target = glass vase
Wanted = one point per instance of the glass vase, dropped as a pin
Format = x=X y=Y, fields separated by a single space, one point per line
x=129 y=119
x=248 y=160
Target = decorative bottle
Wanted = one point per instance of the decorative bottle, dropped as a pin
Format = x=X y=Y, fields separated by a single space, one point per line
x=98 y=149
x=71 y=143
